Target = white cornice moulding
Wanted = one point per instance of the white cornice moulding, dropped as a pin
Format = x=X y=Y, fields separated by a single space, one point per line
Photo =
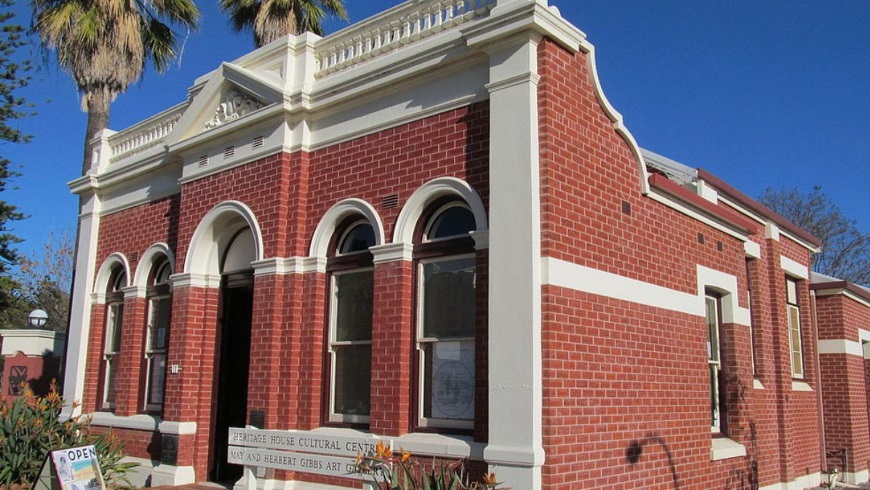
x=134 y=292
x=191 y=280
x=392 y=252
x=287 y=266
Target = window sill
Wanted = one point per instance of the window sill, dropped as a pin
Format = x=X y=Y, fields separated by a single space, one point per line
x=724 y=448
x=800 y=386
x=135 y=422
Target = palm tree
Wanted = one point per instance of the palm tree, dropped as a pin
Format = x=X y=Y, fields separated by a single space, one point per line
x=271 y=19
x=105 y=45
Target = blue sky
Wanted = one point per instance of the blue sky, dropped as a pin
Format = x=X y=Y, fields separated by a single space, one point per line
x=762 y=94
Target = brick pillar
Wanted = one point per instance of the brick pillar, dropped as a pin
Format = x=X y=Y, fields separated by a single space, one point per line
x=275 y=314
x=132 y=348
x=392 y=343
x=191 y=361
x=306 y=344
x=93 y=369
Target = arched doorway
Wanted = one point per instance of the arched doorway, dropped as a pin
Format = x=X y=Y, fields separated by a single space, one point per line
x=234 y=349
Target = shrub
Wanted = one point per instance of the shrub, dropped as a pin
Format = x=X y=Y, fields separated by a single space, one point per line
x=390 y=472
x=31 y=426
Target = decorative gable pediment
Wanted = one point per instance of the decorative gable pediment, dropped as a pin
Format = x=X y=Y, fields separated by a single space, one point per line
x=234 y=104
x=226 y=95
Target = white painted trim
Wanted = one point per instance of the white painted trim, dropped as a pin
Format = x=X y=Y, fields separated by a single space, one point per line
x=392 y=252
x=515 y=448
x=177 y=428
x=673 y=203
x=78 y=335
x=134 y=292
x=841 y=346
x=725 y=284
x=725 y=448
x=771 y=231
x=213 y=232
x=191 y=280
x=616 y=118
x=332 y=218
x=169 y=475
x=794 y=268
x=104 y=275
x=481 y=239
x=752 y=249
x=143 y=270
x=134 y=422
x=756 y=384
x=564 y=274
x=278 y=266
x=800 y=386
x=428 y=192
x=801 y=483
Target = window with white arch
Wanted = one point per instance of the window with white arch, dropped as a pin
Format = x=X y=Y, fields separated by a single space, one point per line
x=351 y=283
x=446 y=317
x=157 y=335
x=112 y=344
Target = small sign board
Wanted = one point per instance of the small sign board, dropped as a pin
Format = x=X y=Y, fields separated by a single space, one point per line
x=302 y=451
x=75 y=468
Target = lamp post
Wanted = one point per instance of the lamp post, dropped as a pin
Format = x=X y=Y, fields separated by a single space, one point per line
x=37 y=318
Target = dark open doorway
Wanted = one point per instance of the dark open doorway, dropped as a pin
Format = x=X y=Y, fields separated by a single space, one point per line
x=237 y=298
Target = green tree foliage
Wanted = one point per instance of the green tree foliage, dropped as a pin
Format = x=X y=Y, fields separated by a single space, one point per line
x=14 y=76
x=270 y=19
x=845 y=249
x=105 y=45
x=31 y=426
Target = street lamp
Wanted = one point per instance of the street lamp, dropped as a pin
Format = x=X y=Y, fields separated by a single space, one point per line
x=37 y=318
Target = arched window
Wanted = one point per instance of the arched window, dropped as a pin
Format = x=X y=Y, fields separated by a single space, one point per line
x=351 y=283
x=445 y=262
x=157 y=335
x=112 y=346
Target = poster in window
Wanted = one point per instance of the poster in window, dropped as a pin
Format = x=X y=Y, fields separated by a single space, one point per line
x=453 y=380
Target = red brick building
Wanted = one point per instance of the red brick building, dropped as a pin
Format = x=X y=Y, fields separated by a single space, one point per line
x=432 y=229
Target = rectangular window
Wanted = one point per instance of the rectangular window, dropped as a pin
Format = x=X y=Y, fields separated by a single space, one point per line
x=155 y=352
x=794 y=329
x=445 y=341
x=111 y=353
x=351 y=345
x=714 y=361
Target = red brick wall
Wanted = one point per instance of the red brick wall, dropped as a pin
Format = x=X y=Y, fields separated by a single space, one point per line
x=618 y=372
x=844 y=386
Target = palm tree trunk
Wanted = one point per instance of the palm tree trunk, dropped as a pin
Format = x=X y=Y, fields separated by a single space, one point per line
x=97 y=106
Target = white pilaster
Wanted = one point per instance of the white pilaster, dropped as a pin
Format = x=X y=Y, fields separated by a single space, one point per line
x=80 y=307
x=515 y=449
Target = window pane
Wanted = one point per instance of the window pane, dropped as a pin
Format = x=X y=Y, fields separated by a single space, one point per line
x=448 y=302
x=111 y=380
x=712 y=329
x=448 y=391
x=353 y=305
x=116 y=319
x=353 y=365
x=156 y=379
x=794 y=325
x=453 y=221
x=357 y=239
x=160 y=314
